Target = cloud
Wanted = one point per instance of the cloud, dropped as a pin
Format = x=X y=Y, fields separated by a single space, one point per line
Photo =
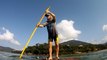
x=105 y=38
x=67 y=31
x=100 y=41
x=105 y=28
x=8 y=36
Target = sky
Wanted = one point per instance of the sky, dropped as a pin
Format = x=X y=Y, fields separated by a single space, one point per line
x=83 y=20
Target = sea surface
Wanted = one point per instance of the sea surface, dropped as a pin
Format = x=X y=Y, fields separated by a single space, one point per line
x=99 y=55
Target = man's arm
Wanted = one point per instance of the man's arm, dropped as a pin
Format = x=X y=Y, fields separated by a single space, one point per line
x=50 y=13
x=53 y=15
x=42 y=25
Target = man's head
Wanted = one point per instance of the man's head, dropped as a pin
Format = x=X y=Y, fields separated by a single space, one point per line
x=49 y=16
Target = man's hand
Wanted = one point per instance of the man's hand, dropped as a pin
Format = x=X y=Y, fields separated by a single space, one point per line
x=40 y=25
x=47 y=11
x=37 y=25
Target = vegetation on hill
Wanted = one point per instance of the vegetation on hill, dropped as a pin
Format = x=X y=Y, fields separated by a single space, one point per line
x=70 y=47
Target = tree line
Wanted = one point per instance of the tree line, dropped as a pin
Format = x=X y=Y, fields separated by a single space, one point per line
x=65 y=49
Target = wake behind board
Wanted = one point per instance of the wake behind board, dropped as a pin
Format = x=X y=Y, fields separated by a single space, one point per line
x=67 y=58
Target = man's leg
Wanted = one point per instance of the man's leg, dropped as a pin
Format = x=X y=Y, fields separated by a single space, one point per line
x=57 y=47
x=50 y=49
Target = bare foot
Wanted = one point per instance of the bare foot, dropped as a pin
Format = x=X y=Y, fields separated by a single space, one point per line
x=49 y=58
x=57 y=58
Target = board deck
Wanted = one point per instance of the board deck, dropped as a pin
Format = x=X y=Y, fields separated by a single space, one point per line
x=69 y=58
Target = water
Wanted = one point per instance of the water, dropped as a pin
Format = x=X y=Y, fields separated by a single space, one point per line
x=13 y=56
x=100 y=55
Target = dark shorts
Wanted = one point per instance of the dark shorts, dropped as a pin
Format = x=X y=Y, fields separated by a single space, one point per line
x=51 y=38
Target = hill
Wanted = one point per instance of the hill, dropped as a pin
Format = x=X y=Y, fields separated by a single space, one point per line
x=6 y=49
x=75 y=43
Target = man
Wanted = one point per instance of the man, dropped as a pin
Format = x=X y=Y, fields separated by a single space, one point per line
x=52 y=33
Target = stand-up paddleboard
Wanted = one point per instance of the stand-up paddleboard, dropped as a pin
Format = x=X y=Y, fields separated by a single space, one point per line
x=67 y=58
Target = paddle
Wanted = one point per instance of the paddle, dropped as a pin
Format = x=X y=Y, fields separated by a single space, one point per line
x=32 y=34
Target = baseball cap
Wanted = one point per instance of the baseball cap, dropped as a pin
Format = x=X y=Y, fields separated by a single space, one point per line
x=47 y=14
